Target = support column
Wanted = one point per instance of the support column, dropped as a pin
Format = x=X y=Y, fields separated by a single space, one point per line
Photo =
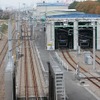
x=75 y=35
x=94 y=64
x=53 y=36
x=98 y=35
x=17 y=29
x=49 y=36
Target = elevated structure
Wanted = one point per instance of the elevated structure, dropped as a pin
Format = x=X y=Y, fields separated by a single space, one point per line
x=72 y=30
x=10 y=86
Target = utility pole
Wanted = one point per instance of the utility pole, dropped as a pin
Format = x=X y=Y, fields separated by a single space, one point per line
x=9 y=40
x=94 y=65
x=17 y=27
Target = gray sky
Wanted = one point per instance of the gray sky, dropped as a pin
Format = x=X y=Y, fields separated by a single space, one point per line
x=15 y=3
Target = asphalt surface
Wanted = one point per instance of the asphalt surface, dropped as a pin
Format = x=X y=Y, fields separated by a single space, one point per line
x=74 y=90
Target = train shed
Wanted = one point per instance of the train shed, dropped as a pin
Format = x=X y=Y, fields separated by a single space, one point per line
x=71 y=30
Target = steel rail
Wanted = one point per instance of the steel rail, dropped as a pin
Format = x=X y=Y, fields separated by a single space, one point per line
x=20 y=75
x=38 y=72
x=5 y=49
x=96 y=57
x=82 y=67
x=84 y=70
x=26 y=72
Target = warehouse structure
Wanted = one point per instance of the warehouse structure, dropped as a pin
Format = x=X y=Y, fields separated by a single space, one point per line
x=71 y=30
x=45 y=9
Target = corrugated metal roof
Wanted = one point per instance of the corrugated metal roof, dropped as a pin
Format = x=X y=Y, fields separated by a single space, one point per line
x=75 y=15
x=51 y=4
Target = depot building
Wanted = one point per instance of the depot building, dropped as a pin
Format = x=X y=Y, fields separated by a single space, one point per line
x=71 y=30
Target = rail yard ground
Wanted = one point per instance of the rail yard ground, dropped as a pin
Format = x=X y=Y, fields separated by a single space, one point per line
x=76 y=88
x=33 y=81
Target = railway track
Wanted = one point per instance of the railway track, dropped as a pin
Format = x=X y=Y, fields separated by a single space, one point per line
x=3 y=54
x=35 y=85
x=31 y=78
x=20 y=68
x=33 y=74
x=26 y=74
x=39 y=72
x=4 y=50
x=97 y=57
x=73 y=64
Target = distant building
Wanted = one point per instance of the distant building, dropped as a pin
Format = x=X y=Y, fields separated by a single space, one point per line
x=1 y=12
x=46 y=8
x=70 y=30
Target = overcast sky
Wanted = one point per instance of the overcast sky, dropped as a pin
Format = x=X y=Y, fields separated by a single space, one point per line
x=15 y=3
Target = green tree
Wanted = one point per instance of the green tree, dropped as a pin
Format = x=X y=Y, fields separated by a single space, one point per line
x=88 y=7
x=73 y=5
x=4 y=28
x=97 y=11
x=98 y=0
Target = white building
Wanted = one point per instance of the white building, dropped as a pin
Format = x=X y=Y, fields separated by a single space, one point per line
x=72 y=30
x=50 y=8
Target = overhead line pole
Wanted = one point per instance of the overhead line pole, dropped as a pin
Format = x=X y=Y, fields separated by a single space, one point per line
x=94 y=65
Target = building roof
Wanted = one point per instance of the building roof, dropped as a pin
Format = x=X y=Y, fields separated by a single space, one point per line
x=51 y=4
x=75 y=15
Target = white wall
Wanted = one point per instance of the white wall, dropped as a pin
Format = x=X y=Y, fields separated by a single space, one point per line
x=50 y=8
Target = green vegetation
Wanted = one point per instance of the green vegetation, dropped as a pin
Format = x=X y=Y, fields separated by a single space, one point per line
x=5 y=17
x=92 y=7
x=73 y=5
x=4 y=28
x=4 y=14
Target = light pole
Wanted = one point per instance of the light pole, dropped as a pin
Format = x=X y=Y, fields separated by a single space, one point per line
x=17 y=29
x=9 y=40
x=94 y=65
x=24 y=9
